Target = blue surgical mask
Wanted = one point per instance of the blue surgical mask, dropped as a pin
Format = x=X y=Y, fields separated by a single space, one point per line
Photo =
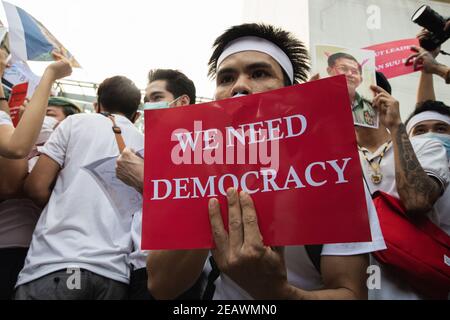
x=159 y=104
x=442 y=138
x=156 y=105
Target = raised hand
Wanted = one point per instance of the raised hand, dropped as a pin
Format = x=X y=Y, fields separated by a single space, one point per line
x=59 y=69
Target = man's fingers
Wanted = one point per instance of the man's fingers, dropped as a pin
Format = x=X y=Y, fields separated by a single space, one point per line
x=418 y=63
x=409 y=60
x=377 y=89
x=218 y=231
x=252 y=234
x=415 y=49
x=235 y=228
x=315 y=77
x=57 y=55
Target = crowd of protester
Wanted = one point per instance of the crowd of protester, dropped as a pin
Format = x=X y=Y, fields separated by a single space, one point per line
x=54 y=217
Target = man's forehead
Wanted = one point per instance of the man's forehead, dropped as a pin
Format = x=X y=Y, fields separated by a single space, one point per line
x=158 y=85
x=347 y=61
x=248 y=58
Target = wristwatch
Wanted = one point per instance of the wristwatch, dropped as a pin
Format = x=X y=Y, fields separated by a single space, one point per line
x=3 y=99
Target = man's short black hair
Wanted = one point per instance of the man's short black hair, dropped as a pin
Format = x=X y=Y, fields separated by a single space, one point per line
x=430 y=105
x=341 y=55
x=177 y=83
x=286 y=41
x=119 y=94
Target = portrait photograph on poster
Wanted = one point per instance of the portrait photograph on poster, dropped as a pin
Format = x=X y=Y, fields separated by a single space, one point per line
x=358 y=65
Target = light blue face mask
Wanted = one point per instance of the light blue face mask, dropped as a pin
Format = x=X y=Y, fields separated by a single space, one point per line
x=159 y=104
x=442 y=138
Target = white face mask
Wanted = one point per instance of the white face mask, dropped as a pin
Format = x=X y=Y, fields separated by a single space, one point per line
x=49 y=122
x=47 y=128
x=441 y=137
x=159 y=104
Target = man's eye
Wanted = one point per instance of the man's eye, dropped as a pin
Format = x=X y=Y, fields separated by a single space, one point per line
x=156 y=98
x=225 y=79
x=260 y=74
x=442 y=129
x=419 y=132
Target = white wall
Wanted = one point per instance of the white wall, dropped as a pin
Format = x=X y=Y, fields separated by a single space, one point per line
x=291 y=15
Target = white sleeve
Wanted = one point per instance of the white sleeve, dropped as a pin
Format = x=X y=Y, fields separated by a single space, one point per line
x=433 y=158
x=348 y=249
x=5 y=119
x=56 y=145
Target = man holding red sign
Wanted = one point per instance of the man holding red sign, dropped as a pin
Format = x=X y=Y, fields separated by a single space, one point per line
x=251 y=59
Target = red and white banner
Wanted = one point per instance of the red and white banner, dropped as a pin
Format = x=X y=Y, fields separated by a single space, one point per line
x=293 y=149
x=390 y=57
x=16 y=99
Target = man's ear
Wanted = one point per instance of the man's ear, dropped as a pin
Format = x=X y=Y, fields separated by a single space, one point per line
x=136 y=117
x=184 y=100
x=96 y=107
x=329 y=70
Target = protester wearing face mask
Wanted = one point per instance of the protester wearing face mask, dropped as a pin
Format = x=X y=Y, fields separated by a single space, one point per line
x=432 y=120
x=166 y=89
x=19 y=215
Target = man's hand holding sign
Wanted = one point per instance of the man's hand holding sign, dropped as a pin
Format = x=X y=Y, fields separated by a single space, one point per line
x=288 y=190
x=241 y=251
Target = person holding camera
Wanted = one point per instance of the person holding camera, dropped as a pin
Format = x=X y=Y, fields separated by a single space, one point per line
x=436 y=31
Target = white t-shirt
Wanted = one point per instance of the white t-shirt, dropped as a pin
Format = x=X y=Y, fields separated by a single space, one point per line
x=79 y=227
x=5 y=119
x=433 y=159
x=301 y=272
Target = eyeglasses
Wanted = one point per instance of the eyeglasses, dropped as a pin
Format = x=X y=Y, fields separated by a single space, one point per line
x=346 y=70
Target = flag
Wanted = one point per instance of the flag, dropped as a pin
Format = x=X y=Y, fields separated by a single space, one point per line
x=30 y=40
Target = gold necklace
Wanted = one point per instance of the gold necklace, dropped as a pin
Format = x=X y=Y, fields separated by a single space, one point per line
x=376 y=176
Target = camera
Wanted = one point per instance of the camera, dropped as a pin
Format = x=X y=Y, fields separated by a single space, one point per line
x=435 y=24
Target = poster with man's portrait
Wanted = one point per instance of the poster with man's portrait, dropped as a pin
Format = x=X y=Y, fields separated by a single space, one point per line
x=358 y=65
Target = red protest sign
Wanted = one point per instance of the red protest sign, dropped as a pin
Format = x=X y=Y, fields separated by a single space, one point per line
x=293 y=149
x=17 y=98
x=390 y=57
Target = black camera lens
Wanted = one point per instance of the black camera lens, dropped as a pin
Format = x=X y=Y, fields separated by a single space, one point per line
x=435 y=24
x=429 y=19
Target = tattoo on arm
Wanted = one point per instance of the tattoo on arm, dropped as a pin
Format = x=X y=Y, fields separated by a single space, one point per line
x=414 y=186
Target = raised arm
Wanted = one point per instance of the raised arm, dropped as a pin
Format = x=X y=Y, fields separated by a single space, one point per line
x=417 y=190
x=17 y=143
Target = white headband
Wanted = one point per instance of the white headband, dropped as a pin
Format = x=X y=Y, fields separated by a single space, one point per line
x=261 y=45
x=425 y=116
